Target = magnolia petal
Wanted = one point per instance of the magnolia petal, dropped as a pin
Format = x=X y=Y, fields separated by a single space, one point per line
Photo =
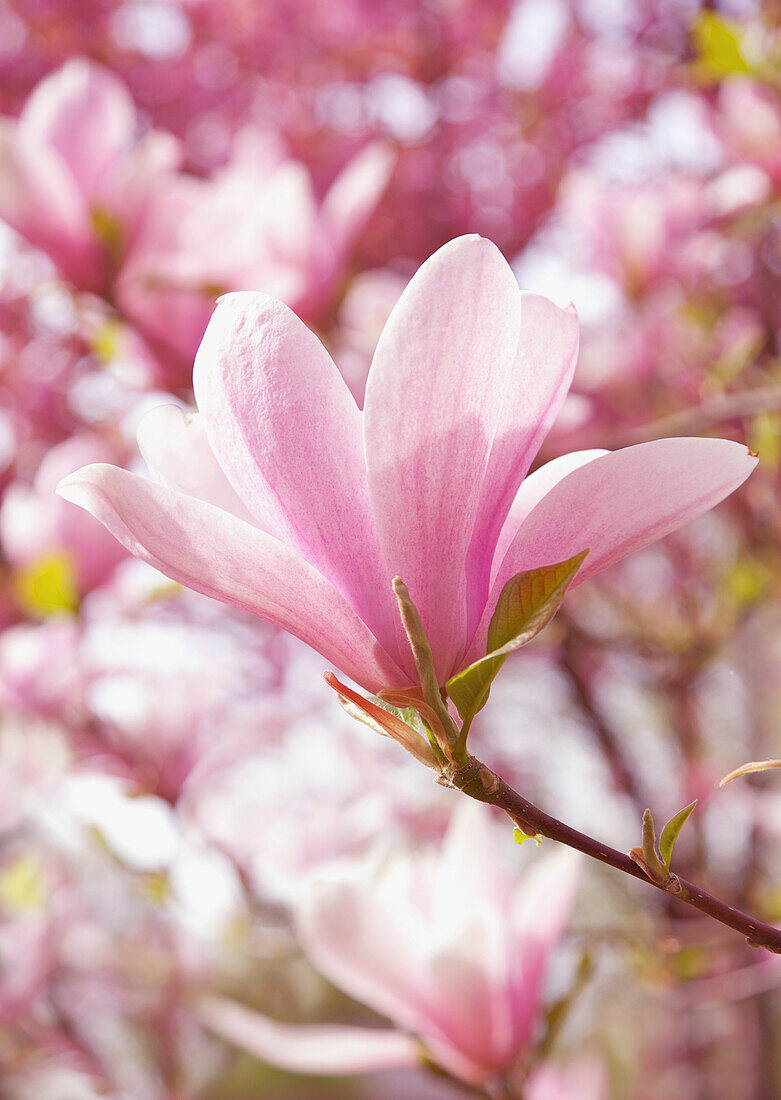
x=354 y=194
x=531 y=492
x=300 y=1048
x=533 y=394
x=541 y=908
x=620 y=502
x=433 y=397
x=87 y=115
x=44 y=207
x=365 y=949
x=215 y=553
x=287 y=432
x=584 y=1079
x=544 y=900
x=161 y=286
x=174 y=446
x=377 y=955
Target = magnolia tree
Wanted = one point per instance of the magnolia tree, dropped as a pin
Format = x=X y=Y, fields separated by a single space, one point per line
x=277 y=417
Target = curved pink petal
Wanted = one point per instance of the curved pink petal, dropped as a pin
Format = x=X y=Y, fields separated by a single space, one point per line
x=283 y=223
x=45 y=208
x=131 y=187
x=544 y=899
x=535 y=390
x=300 y=1048
x=433 y=401
x=217 y=554
x=287 y=432
x=165 y=298
x=354 y=194
x=619 y=503
x=531 y=492
x=365 y=948
x=376 y=953
x=174 y=446
x=540 y=910
x=471 y=1031
x=86 y=115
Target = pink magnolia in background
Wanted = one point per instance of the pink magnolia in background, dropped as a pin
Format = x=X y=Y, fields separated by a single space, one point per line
x=35 y=527
x=636 y=233
x=75 y=177
x=363 y=314
x=286 y=243
x=448 y=946
x=281 y=497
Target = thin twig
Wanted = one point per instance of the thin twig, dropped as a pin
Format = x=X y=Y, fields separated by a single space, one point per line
x=475 y=779
x=479 y=782
x=609 y=742
x=712 y=411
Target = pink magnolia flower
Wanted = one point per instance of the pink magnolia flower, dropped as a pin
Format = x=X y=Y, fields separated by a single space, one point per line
x=165 y=676
x=36 y=528
x=448 y=946
x=74 y=178
x=283 y=498
x=637 y=233
x=287 y=243
x=40 y=673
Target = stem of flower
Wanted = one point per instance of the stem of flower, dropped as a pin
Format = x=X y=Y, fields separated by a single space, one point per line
x=446 y=734
x=479 y=782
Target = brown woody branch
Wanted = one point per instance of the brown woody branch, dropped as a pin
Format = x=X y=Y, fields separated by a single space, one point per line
x=479 y=782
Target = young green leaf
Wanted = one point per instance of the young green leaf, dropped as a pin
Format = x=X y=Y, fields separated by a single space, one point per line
x=526 y=604
x=521 y=837
x=670 y=833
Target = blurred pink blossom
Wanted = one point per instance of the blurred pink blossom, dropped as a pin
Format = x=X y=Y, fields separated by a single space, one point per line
x=363 y=314
x=635 y=232
x=74 y=175
x=450 y=947
x=288 y=244
x=35 y=527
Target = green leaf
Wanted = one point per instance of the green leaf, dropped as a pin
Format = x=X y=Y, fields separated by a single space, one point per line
x=670 y=833
x=526 y=604
x=521 y=837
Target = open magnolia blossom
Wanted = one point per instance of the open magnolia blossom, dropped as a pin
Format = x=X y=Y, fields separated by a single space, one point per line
x=282 y=497
x=288 y=242
x=46 y=542
x=75 y=178
x=448 y=946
